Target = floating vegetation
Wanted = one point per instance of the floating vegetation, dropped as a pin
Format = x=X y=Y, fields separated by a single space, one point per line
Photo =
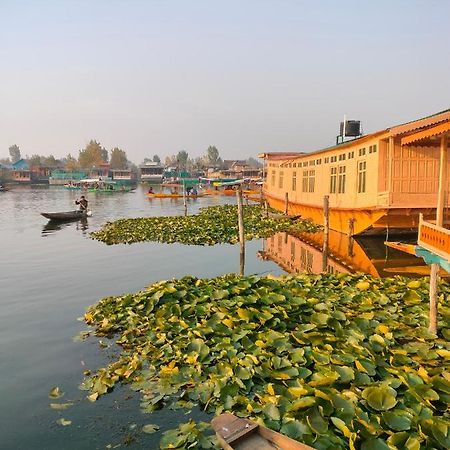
x=212 y=225
x=334 y=361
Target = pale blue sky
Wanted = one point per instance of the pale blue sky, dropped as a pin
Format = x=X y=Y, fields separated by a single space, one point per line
x=246 y=76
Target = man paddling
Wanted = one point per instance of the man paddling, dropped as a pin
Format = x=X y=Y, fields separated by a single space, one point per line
x=83 y=203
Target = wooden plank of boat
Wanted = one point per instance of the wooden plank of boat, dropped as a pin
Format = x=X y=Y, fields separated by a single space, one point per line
x=66 y=215
x=235 y=433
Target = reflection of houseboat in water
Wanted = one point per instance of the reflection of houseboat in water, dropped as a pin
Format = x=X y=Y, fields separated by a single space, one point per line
x=379 y=181
x=346 y=255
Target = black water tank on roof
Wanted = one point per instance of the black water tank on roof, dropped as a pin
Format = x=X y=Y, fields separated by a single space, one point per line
x=352 y=128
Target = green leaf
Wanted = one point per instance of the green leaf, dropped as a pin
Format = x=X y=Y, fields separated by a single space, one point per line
x=150 y=428
x=381 y=398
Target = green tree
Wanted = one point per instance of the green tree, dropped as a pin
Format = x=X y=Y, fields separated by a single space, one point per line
x=252 y=162
x=50 y=161
x=118 y=159
x=156 y=159
x=91 y=156
x=71 y=163
x=182 y=159
x=105 y=155
x=34 y=161
x=213 y=157
x=14 y=151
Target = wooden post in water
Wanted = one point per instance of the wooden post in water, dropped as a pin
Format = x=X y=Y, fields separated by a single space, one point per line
x=286 y=204
x=326 y=231
x=241 y=230
x=434 y=273
x=266 y=208
x=184 y=199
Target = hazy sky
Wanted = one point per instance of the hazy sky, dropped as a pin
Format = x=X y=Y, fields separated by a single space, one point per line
x=246 y=76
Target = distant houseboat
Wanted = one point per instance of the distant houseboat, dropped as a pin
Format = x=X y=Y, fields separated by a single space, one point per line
x=151 y=172
x=376 y=182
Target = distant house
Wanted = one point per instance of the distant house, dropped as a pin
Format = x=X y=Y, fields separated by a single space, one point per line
x=240 y=169
x=101 y=170
x=151 y=171
x=123 y=175
x=21 y=172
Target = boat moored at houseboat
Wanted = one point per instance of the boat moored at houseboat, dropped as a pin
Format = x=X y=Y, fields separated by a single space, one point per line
x=377 y=182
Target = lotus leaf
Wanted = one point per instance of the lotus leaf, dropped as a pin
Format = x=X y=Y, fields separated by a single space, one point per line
x=315 y=356
x=212 y=225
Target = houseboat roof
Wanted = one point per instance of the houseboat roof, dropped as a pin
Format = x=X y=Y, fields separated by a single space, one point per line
x=405 y=128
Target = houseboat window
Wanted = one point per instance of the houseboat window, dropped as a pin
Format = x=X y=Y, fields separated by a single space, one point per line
x=333 y=159
x=372 y=148
x=280 y=181
x=295 y=164
x=341 y=180
x=333 y=179
x=362 y=151
x=312 y=180
x=273 y=177
x=305 y=163
x=342 y=157
x=318 y=161
x=294 y=180
x=361 y=177
x=327 y=160
x=312 y=162
x=305 y=181
x=351 y=155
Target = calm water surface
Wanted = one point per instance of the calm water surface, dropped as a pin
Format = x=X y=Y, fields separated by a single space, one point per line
x=48 y=276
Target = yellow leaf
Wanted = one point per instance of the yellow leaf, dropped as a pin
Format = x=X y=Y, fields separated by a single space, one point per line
x=260 y=344
x=423 y=374
x=444 y=353
x=93 y=397
x=360 y=367
x=383 y=329
x=228 y=323
x=270 y=389
x=297 y=391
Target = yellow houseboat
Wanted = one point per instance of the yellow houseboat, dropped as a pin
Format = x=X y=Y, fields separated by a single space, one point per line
x=377 y=182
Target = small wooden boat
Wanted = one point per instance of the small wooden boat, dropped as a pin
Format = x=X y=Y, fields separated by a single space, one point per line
x=67 y=215
x=235 y=433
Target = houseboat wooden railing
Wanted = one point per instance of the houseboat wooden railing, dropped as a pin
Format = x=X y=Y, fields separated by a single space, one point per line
x=376 y=182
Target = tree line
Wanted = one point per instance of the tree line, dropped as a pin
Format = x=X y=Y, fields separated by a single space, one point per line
x=94 y=155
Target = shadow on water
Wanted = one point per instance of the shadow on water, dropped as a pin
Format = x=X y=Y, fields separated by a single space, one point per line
x=56 y=225
x=303 y=254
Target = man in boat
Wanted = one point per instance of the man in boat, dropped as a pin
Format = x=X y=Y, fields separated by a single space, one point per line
x=83 y=203
x=150 y=190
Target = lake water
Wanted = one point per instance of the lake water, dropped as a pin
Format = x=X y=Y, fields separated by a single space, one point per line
x=49 y=275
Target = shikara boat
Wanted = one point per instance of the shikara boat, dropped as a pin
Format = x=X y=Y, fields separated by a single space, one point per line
x=67 y=215
x=163 y=195
x=235 y=433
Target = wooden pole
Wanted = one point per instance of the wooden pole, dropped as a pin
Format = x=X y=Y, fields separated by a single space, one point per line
x=241 y=230
x=286 y=204
x=434 y=273
x=266 y=208
x=442 y=181
x=184 y=199
x=326 y=231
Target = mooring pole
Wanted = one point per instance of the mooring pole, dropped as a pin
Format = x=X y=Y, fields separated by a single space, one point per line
x=326 y=231
x=266 y=208
x=286 y=204
x=241 y=230
x=184 y=199
x=434 y=273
